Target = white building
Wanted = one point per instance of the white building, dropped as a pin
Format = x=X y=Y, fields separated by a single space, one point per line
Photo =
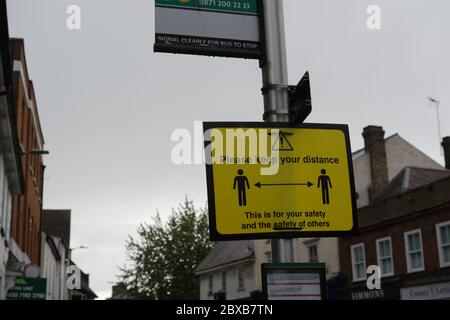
x=228 y=272
x=379 y=162
x=55 y=252
x=53 y=266
x=10 y=163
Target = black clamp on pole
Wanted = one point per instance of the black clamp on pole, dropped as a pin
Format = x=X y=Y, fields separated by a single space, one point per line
x=300 y=105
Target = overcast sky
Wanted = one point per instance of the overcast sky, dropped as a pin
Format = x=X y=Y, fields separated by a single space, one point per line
x=108 y=104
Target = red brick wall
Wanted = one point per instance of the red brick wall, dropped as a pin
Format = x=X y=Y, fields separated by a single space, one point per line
x=425 y=220
x=26 y=211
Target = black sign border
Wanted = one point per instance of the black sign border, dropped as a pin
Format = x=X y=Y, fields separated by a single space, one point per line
x=216 y=236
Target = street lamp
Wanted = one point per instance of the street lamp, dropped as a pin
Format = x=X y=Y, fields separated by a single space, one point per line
x=436 y=103
x=76 y=248
x=80 y=247
x=35 y=152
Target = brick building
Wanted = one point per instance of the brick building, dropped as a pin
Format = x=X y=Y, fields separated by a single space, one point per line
x=406 y=232
x=27 y=208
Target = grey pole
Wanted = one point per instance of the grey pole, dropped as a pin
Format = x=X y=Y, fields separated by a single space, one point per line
x=275 y=92
x=275 y=76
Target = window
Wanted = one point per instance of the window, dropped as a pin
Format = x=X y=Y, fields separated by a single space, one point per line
x=3 y=213
x=210 y=285
x=268 y=256
x=312 y=250
x=224 y=281
x=414 y=251
x=3 y=185
x=241 y=284
x=358 y=262
x=7 y=215
x=2 y=285
x=443 y=238
x=384 y=254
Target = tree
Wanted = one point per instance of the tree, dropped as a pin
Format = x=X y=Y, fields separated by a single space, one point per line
x=164 y=256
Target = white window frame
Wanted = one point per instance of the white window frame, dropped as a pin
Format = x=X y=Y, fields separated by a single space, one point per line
x=355 y=278
x=442 y=263
x=407 y=251
x=3 y=197
x=240 y=273
x=224 y=284
x=309 y=252
x=378 y=241
x=210 y=285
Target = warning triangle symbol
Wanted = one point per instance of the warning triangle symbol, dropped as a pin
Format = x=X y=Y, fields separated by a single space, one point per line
x=282 y=143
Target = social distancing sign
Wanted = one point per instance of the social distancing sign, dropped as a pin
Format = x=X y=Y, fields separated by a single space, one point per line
x=278 y=181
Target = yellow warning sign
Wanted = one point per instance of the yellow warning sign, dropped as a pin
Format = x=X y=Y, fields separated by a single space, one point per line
x=278 y=181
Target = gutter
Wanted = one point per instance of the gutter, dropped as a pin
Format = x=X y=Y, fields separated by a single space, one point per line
x=41 y=211
x=224 y=266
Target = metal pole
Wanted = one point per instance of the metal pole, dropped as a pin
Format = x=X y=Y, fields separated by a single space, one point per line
x=438 y=104
x=274 y=71
x=275 y=91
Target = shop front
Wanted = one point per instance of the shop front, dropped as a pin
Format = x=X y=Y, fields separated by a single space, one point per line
x=388 y=291
x=434 y=291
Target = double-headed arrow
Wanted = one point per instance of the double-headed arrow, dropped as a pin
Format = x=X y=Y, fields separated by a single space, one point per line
x=260 y=185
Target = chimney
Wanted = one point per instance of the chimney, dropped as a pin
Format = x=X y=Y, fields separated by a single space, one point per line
x=374 y=145
x=446 y=146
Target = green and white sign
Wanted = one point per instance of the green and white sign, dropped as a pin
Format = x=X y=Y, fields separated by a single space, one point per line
x=28 y=289
x=229 y=28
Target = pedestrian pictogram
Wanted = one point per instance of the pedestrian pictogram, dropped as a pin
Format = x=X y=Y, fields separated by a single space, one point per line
x=259 y=190
x=325 y=184
x=241 y=182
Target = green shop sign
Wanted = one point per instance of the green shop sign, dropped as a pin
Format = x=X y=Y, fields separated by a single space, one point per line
x=235 y=6
x=28 y=289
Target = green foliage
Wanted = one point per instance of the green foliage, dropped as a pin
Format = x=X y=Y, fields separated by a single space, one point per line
x=164 y=256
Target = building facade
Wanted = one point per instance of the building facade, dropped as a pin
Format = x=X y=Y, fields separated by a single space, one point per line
x=53 y=267
x=406 y=232
x=228 y=272
x=32 y=243
x=11 y=175
x=55 y=252
x=25 y=243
